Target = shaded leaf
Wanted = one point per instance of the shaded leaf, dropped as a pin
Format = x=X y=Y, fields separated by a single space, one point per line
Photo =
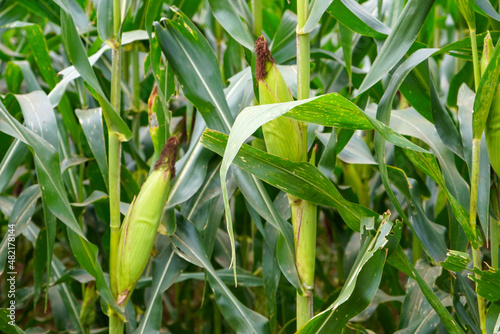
x=399 y=41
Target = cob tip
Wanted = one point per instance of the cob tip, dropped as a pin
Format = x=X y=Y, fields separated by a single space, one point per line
x=263 y=57
x=168 y=156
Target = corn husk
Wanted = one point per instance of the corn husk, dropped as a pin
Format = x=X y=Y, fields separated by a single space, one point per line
x=141 y=222
x=284 y=137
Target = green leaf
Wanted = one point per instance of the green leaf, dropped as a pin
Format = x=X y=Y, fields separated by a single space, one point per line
x=29 y=78
x=487 y=283
x=227 y=15
x=72 y=307
x=190 y=169
x=13 y=77
x=71 y=73
x=94 y=197
x=485 y=94
x=39 y=116
x=488 y=9
x=361 y=284
x=399 y=41
x=299 y=179
x=427 y=163
x=40 y=53
x=44 y=8
x=466 y=7
x=410 y=123
x=417 y=315
x=358 y=19
x=78 y=56
x=22 y=212
x=401 y=261
x=239 y=317
x=245 y=278
x=11 y=161
x=316 y=11
x=239 y=93
x=53 y=192
x=256 y=195
x=271 y=274
x=185 y=47
x=346 y=41
x=455 y=261
x=167 y=267
x=91 y=122
x=493 y=319
x=105 y=20
x=330 y=110
x=431 y=235
x=465 y=103
x=284 y=44
x=6 y=322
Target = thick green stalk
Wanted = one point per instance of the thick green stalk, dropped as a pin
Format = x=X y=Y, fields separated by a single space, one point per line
x=303 y=52
x=115 y=324
x=475 y=59
x=257 y=17
x=304 y=217
x=114 y=163
x=304 y=230
x=476 y=252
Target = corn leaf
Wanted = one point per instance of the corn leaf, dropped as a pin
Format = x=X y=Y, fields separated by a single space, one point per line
x=358 y=19
x=228 y=17
x=299 y=179
x=182 y=42
x=78 y=56
x=167 y=267
x=361 y=284
x=105 y=19
x=91 y=122
x=50 y=178
x=399 y=41
x=485 y=94
x=239 y=317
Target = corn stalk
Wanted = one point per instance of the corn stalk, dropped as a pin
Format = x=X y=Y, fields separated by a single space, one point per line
x=114 y=162
x=304 y=217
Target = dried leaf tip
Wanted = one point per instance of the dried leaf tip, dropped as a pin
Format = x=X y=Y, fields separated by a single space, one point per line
x=168 y=156
x=263 y=57
x=154 y=94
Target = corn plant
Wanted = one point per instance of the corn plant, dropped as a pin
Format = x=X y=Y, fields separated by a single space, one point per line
x=218 y=166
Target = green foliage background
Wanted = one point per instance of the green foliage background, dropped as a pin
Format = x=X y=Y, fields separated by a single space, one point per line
x=392 y=118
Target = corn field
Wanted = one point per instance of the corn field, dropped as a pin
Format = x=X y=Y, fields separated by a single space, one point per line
x=249 y=166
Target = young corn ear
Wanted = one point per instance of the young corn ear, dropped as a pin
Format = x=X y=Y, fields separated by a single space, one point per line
x=284 y=137
x=156 y=121
x=492 y=129
x=139 y=227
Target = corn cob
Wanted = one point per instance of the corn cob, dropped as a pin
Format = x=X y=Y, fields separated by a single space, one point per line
x=139 y=227
x=284 y=137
